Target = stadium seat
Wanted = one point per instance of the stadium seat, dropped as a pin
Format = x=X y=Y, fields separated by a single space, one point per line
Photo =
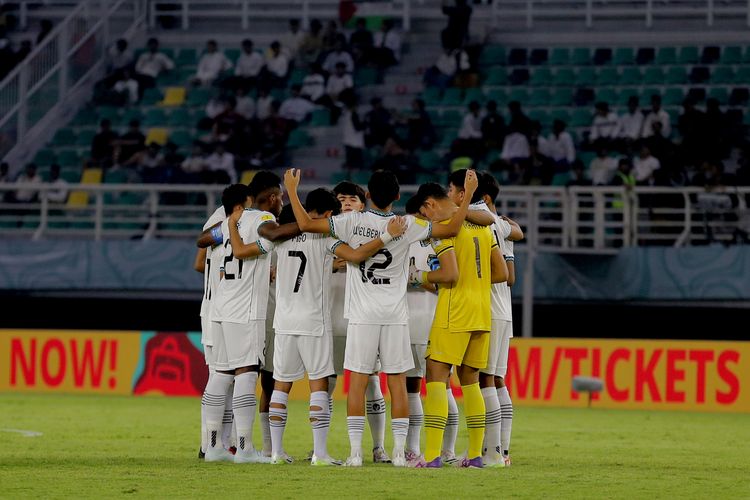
x=722 y=75
x=158 y=135
x=320 y=118
x=84 y=137
x=580 y=56
x=585 y=77
x=541 y=77
x=180 y=117
x=562 y=97
x=474 y=94
x=710 y=54
x=500 y=96
x=699 y=74
x=68 y=157
x=108 y=113
x=742 y=76
x=564 y=77
x=673 y=96
x=298 y=138
x=187 y=57
x=676 y=75
x=44 y=157
x=431 y=96
x=130 y=115
x=731 y=55
x=519 y=76
x=696 y=94
x=625 y=94
x=365 y=76
x=539 y=115
x=688 y=55
x=181 y=138
x=561 y=179
x=497 y=76
x=429 y=160
x=645 y=55
x=560 y=56
x=519 y=94
x=247 y=176
x=199 y=96
x=739 y=96
x=81 y=198
x=666 y=55
x=623 y=56
x=86 y=116
x=429 y=177
x=540 y=97
x=646 y=93
x=361 y=177
x=232 y=54
x=297 y=77
x=538 y=56
x=517 y=57
x=606 y=95
x=631 y=76
x=151 y=97
x=155 y=117
x=583 y=96
x=118 y=176
x=721 y=94
x=337 y=177
x=653 y=75
x=602 y=55
x=607 y=76
x=452 y=97
x=746 y=55
x=559 y=114
x=581 y=118
x=64 y=137
x=174 y=96
x=493 y=55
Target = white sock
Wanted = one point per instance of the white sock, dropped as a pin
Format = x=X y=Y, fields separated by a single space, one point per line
x=506 y=410
x=451 y=425
x=265 y=432
x=331 y=388
x=277 y=421
x=375 y=406
x=492 y=422
x=244 y=406
x=356 y=427
x=227 y=422
x=320 y=420
x=213 y=402
x=204 y=432
x=416 y=420
x=400 y=428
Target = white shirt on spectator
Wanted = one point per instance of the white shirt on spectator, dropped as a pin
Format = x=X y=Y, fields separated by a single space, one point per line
x=660 y=116
x=278 y=65
x=263 y=107
x=391 y=40
x=604 y=127
x=471 y=127
x=193 y=164
x=215 y=107
x=602 y=170
x=290 y=42
x=249 y=65
x=223 y=162
x=631 y=125
x=352 y=137
x=119 y=60
x=644 y=168
x=295 y=108
x=336 y=84
x=26 y=195
x=313 y=86
x=334 y=58
x=153 y=64
x=561 y=147
x=210 y=65
x=245 y=107
x=131 y=86
x=59 y=195
x=515 y=145
x=446 y=63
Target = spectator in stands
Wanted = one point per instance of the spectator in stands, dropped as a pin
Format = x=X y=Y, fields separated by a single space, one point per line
x=604 y=127
x=29 y=176
x=397 y=159
x=296 y=108
x=387 y=45
x=194 y=166
x=277 y=66
x=578 y=175
x=103 y=144
x=330 y=37
x=312 y=43
x=379 y=123
x=445 y=69
x=275 y=131
x=644 y=167
x=249 y=66
x=211 y=64
x=354 y=132
x=338 y=55
x=692 y=127
x=127 y=87
x=228 y=124
x=263 y=104
x=518 y=120
x=457 y=31
x=339 y=81
x=716 y=138
x=245 y=104
x=361 y=41
x=631 y=124
x=314 y=84
x=421 y=133
x=119 y=58
x=292 y=39
x=470 y=142
x=215 y=106
x=4 y=176
x=149 y=163
x=661 y=147
x=221 y=164
x=656 y=114
x=45 y=27
x=60 y=194
x=602 y=168
x=559 y=146
x=151 y=64
x=515 y=145
x=131 y=142
x=623 y=175
x=493 y=127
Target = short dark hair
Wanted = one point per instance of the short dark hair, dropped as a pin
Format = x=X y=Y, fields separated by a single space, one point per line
x=321 y=201
x=286 y=216
x=383 y=187
x=234 y=195
x=458 y=178
x=428 y=190
x=263 y=181
x=247 y=42
x=488 y=186
x=348 y=188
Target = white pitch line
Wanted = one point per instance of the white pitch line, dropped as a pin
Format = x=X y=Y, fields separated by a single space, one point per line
x=24 y=433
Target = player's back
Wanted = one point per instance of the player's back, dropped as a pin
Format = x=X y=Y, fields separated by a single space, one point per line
x=211 y=270
x=465 y=305
x=303 y=285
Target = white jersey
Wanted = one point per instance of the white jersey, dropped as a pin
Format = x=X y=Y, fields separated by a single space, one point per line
x=303 y=285
x=501 y=304
x=211 y=273
x=338 y=300
x=376 y=288
x=421 y=302
x=242 y=294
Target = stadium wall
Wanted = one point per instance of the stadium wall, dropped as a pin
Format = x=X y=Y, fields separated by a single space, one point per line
x=637 y=374
x=639 y=273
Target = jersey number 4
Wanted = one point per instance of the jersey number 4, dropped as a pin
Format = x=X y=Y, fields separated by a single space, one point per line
x=368 y=274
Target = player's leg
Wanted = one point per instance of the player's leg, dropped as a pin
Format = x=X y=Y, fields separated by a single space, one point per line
x=288 y=367
x=435 y=410
x=506 y=405
x=448 y=452
x=492 y=454
x=475 y=357
x=359 y=358
x=396 y=360
x=267 y=387
x=416 y=413
x=317 y=357
x=205 y=336
x=375 y=408
x=214 y=398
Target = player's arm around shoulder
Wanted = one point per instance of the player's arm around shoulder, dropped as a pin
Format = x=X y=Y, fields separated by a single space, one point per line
x=516 y=233
x=396 y=227
x=210 y=237
x=499 y=270
x=480 y=215
x=447 y=274
x=306 y=224
x=241 y=248
x=453 y=226
x=200 y=260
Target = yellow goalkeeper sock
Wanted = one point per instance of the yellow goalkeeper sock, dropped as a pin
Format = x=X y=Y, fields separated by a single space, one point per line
x=435 y=417
x=474 y=407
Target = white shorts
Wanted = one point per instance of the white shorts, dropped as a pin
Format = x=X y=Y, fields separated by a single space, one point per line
x=268 y=363
x=339 y=347
x=497 y=361
x=207 y=342
x=237 y=344
x=418 y=353
x=296 y=354
x=366 y=343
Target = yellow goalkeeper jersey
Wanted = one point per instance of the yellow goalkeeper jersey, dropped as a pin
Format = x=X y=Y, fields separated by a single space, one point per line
x=465 y=306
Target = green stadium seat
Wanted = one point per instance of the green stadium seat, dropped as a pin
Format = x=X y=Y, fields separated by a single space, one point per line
x=320 y=118
x=541 y=77
x=746 y=55
x=498 y=95
x=167 y=51
x=606 y=95
x=297 y=76
x=72 y=175
x=560 y=56
x=232 y=54
x=69 y=157
x=688 y=55
x=561 y=179
x=742 y=76
x=187 y=57
x=518 y=94
x=497 y=76
x=180 y=117
x=116 y=177
x=676 y=75
x=539 y=115
x=108 y=113
x=607 y=76
x=298 y=139
x=130 y=115
x=666 y=55
x=721 y=94
x=337 y=177
x=586 y=157
x=623 y=56
x=474 y=94
x=181 y=138
x=84 y=137
x=562 y=97
x=155 y=118
x=540 y=97
x=365 y=76
x=429 y=160
x=64 y=137
x=199 y=96
x=44 y=157
x=581 y=118
x=425 y=178
x=722 y=75
x=450 y=118
x=493 y=55
x=151 y=97
x=560 y=114
x=361 y=177
x=646 y=93
x=580 y=56
x=585 y=77
x=452 y=97
x=731 y=55
x=564 y=77
x=431 y=96
x=654 y=75
x=631 y=76
x=625 y=94
x=86 y=116
x=673 y=96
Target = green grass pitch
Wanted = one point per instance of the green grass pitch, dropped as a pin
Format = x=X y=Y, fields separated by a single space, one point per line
x=146 y=446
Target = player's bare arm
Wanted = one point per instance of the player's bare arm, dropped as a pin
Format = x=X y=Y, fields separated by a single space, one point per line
x=447 y=274
x=306 y=223
x=480 y=217
x=511 y=272
x=441 y=231
x=396 y=227
x=210 y=237
x=273 y=231
x=200 y=260
x=241 y=249
x=516 y=233
x=499 y=271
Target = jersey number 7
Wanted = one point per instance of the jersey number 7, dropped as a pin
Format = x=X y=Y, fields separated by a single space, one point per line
x=302 y=265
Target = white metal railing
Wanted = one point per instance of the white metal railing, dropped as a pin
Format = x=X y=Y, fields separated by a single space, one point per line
x=589 y=12
x=65 y=60
x=556 y=219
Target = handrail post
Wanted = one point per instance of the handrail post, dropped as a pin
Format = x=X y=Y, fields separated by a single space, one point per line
x=709 y=12
x=406 y=22
x=245 y=11
x=23 y=15
x=634 y=210
x=43 y=214
x=649 y=13
x=627 y=218
x=589 y=13
x=98 y=216
x=530 y=14
x=688 y=221
x=598 y=220
x=153 y=215
x=574 y=218
x=565 y=236
x=185 y=15
x=306 y=14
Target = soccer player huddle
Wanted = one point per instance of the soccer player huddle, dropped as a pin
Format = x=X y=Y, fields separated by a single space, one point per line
x=329 y=285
